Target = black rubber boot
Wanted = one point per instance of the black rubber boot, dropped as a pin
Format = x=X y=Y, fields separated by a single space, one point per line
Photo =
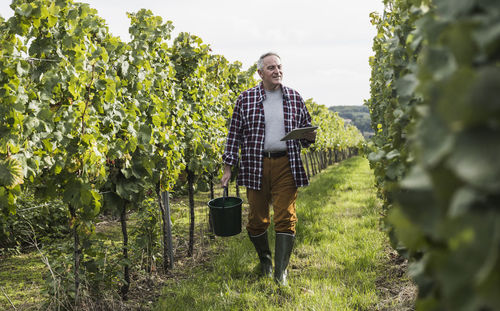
x=283 y=250
x=261 y=244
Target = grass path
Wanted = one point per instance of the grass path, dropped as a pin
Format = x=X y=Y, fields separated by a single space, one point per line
x=340 y=261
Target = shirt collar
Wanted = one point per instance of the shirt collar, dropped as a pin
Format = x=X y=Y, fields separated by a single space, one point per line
x=262 y=92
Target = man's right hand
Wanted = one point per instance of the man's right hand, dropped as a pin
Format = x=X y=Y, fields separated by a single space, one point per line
x=226 y=176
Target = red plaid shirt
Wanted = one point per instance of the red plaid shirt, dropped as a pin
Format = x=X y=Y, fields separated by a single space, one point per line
x=247 y=130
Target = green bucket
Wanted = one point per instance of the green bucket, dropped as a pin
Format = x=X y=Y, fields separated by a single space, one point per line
x=226 y=215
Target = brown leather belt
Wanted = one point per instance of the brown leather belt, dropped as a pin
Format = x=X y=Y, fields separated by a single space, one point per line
x=276 y=154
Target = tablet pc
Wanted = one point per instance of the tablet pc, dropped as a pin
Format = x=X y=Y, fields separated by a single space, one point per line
x=298 y=133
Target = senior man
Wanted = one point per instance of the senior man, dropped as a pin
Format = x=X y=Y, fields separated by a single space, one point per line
x=270 y=169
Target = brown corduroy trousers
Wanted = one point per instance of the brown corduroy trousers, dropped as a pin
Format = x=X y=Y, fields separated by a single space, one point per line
x=279 y=190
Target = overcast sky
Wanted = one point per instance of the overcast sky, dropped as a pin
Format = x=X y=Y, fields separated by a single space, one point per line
x=324 y=44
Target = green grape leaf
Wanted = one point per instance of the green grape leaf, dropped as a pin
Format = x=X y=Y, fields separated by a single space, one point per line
x=435 y=141
x=475 y=159
x=452 y=8
x=11 y=173
x=406 y=85
x=440 y=62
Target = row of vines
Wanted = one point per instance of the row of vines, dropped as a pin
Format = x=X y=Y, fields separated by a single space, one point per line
x=435 y=107
x=335 y=139
x=102 y=126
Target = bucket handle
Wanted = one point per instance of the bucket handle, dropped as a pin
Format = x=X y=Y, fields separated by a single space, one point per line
x=224 y=196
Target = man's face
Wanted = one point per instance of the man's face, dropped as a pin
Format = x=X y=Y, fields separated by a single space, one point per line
x=271 y=73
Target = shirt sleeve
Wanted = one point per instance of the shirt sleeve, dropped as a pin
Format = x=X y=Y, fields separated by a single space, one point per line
x=306 y=120
x=230 y=155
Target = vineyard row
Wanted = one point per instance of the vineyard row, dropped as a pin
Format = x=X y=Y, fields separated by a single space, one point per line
x=102 y=124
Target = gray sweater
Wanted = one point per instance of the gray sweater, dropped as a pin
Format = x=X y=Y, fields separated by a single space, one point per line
x=275 y=124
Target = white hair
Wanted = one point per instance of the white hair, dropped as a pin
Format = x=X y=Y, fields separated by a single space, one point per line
x=260 y=62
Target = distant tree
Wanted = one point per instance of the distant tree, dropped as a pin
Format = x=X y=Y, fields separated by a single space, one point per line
x=346 y=115
x=359 y=115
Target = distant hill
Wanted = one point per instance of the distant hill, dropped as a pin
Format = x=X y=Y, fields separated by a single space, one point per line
x=359 y=116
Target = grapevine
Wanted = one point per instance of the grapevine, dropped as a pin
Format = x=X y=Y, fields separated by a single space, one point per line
x=434 y=105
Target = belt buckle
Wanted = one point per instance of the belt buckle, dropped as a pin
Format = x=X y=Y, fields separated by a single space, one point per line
x=267 y=154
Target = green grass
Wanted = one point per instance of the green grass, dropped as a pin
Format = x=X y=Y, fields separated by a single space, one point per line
x=21 y=278
x=340 y=255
